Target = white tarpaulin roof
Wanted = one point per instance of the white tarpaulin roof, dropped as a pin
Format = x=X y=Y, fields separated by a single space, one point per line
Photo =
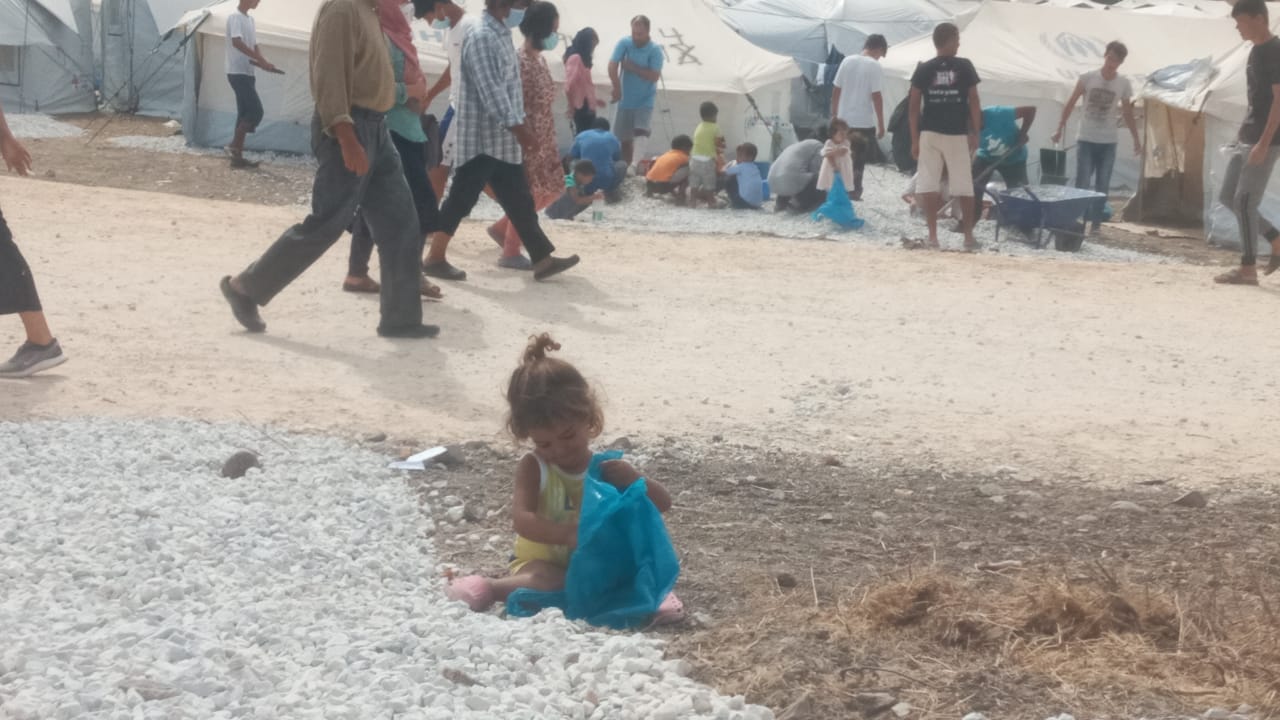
x=15 y=29
x=703 y=54
x=1037 y=52
x=168 y=13
x=807 y=29
x=61 y=9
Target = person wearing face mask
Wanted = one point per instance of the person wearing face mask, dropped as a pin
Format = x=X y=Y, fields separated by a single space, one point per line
x=452 y=21
x=579 y=88
x=542 y=161
x=492 y=138
x=404 y=120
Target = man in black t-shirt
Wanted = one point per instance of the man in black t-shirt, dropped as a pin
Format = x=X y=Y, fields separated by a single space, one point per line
x=945 y=116
x=1245 y=182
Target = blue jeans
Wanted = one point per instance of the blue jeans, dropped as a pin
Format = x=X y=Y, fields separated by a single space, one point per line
x=1094 y=163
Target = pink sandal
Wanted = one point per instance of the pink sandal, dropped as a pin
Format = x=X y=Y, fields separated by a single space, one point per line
x=670 y=612
x=474 y=590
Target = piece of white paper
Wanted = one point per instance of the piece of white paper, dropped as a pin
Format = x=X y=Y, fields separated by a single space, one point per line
x=420 y=460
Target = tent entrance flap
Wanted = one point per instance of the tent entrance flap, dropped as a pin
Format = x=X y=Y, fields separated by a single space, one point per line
x=1171 y=189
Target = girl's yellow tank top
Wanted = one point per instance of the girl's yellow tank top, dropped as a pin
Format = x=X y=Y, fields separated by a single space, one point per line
x=559 y=499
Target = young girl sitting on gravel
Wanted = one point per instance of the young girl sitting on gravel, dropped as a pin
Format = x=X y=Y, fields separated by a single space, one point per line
x=553 y=406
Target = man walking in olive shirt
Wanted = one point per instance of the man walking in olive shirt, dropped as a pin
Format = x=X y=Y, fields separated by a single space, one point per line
x=353 y=84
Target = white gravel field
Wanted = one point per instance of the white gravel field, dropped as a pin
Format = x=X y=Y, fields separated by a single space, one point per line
x=139 y=583
x=39 y=127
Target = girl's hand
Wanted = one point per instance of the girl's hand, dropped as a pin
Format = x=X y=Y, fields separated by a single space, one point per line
x=619 y=473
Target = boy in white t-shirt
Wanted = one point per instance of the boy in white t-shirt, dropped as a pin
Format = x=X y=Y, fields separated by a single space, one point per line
x=1107 y=95
x=242 y=56
x=452 y=20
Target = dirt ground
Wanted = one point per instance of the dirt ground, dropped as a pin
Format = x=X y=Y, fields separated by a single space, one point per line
x=92 y=160
x=990 y=408
x=789 y=559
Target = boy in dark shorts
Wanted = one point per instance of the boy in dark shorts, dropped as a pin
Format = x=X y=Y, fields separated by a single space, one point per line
x=575 y=199
x=242 y=56
x=17 y=288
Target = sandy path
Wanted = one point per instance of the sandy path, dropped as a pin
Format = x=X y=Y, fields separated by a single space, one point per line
x=1102 y=371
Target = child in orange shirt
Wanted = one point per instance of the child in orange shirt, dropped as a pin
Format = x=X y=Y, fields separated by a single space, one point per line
x=670 y=172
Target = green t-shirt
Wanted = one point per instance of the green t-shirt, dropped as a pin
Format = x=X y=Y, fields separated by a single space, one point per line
x=704 y=139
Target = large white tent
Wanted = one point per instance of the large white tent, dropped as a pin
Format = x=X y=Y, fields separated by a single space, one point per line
x=44 y=65
x=705 y=61
x=1034 y=54
x=808 y=29
x=143 y=63
x=1207 y=115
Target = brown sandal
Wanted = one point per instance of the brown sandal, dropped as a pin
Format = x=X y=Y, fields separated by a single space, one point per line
x=1236 y=277
x=365 y=284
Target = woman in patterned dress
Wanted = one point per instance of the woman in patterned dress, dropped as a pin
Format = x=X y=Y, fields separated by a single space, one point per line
x=541 y=160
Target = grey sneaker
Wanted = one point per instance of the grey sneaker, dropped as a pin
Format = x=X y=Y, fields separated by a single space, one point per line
x=31 y=359
x=515 y=262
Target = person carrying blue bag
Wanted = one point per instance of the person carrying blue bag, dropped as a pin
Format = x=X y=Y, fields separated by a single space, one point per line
x=590 y=536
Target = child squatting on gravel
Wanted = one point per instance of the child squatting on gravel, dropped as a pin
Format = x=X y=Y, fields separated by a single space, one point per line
x=553 y=406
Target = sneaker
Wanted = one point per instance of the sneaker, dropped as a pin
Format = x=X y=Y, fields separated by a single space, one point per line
x=515 y=262
x=31 y=359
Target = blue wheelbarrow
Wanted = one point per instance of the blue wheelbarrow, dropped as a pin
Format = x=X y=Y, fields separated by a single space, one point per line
x=1040 y=213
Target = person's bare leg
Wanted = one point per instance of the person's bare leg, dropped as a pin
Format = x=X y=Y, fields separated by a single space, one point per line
x=536 y=575
x=37 y=328
x=439 y=246
x=439 y=177
x=967 y=212
x=929 y=204
x=498 y=230
x=237 y=142
x=628 y=147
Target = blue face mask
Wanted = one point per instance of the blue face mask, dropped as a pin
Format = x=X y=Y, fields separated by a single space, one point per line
x=515 y=18
x=440 y=24
x=550 y=42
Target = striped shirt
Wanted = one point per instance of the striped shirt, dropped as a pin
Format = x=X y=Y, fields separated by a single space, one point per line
x=491 y=98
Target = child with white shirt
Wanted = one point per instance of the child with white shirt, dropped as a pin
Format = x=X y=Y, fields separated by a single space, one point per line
x=837 y=158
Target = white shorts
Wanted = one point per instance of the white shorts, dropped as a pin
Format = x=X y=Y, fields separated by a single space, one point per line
x=702 y=174
x=944 y=152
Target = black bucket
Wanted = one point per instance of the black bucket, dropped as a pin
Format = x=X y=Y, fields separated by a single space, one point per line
x=1053 y=162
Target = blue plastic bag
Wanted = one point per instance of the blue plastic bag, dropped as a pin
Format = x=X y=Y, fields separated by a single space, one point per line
x=839 y=208
x=624 y=565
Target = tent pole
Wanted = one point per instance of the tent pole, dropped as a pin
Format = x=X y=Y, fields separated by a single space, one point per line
x=1142 y=165
x=26 y=29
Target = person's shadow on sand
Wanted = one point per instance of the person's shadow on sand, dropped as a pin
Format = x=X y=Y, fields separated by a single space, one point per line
x=553 y=303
